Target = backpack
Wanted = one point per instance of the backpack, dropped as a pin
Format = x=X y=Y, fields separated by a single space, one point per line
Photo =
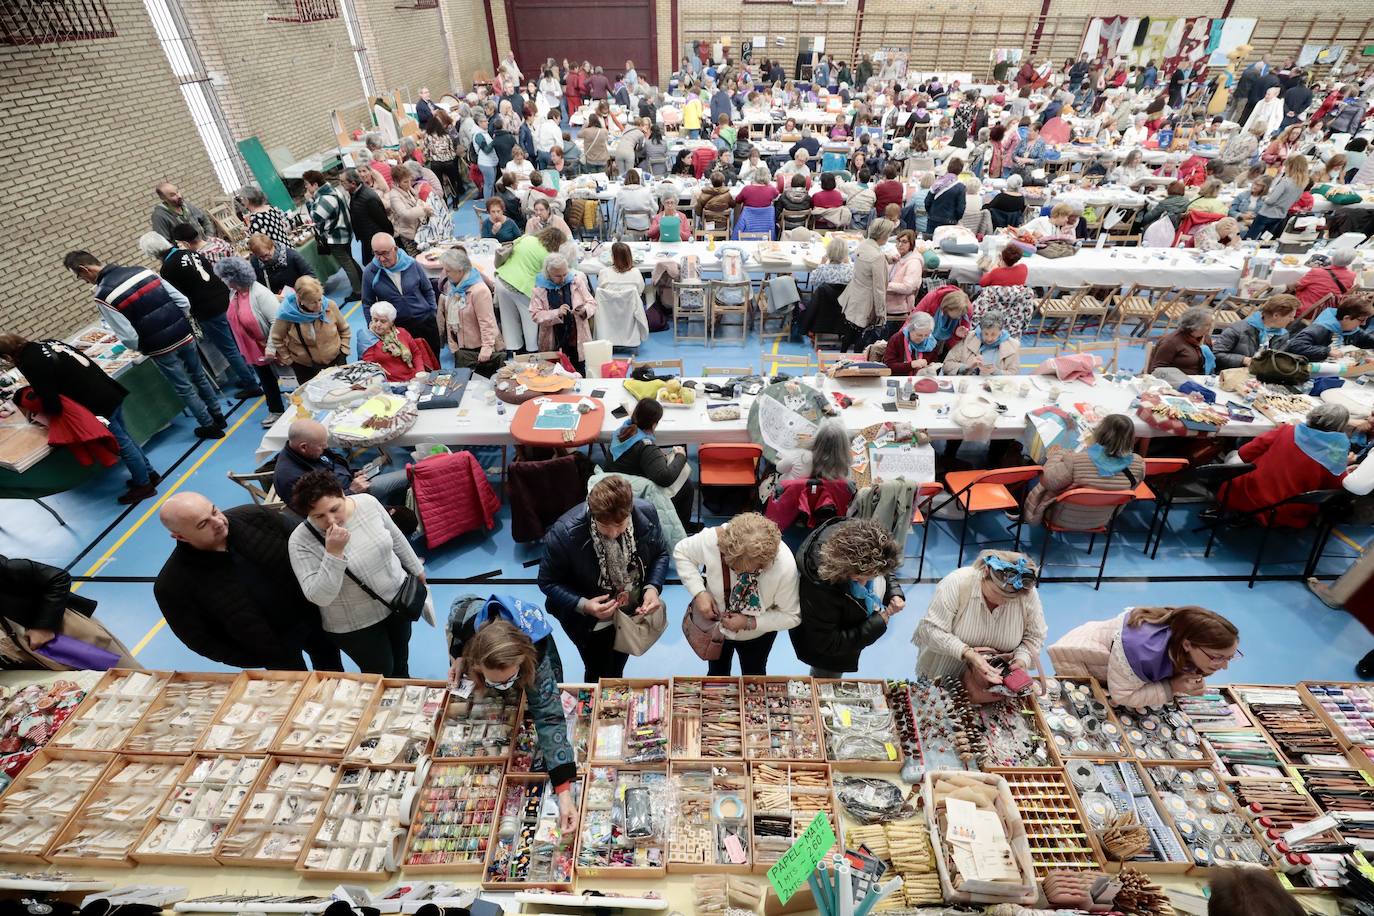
x=1280 y=368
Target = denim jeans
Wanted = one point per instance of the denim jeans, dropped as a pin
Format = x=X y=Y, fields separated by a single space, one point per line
x=488 y=180
x=129 y=452
x=218 y=333
x=389 y=488
x=183 y=369
x=1263 y=224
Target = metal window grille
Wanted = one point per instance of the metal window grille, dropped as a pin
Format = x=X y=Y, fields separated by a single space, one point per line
x=36 y=22
x=309 y=11
x=417 y=4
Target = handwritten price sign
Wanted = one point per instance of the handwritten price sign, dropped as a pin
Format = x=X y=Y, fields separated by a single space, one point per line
x=796 y=865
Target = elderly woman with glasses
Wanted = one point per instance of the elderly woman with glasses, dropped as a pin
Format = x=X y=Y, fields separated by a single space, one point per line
x=992 y=351
x=400 y=355
x=1148 y=655
x=985 y=619
x=1187 y=349
x=562 y=306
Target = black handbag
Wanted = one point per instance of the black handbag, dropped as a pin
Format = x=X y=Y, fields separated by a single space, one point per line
x=409 y=600
x=1277 y=367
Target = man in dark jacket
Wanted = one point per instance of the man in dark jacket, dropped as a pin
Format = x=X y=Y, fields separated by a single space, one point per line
x=1267 y=329
x=1264 y=79
x=1296 y=99
x=35 y=596
x=721 y=105
x=229 y=593
x=1339 y=327
x=1077 y=73
x=603 y=556
x=307 y=450
x=847 y=594
x=189 y=271
x=55 y=369
x=366 y=212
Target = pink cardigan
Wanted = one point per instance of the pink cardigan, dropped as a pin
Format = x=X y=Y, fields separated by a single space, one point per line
x=903 y=280
x=584 y=307
x=1094 y=649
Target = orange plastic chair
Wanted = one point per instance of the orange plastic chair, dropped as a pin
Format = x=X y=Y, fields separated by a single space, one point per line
x=1086 y=497
x=728 y=464
x=1156 y=467
x=920 y=513
x=984 y=491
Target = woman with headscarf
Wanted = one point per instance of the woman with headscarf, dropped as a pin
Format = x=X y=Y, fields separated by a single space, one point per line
x=991 y=351
x=468 y=317
x=562 y=306
x=310 y=333
x=1109 y=463
x=400 y=355
x=983 y=614
x=1289 y=460
x=252 y=310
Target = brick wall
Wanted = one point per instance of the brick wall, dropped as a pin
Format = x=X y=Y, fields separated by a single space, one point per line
x=468 y=41
x=283 y=78
x=405 y=46
x=88 y=186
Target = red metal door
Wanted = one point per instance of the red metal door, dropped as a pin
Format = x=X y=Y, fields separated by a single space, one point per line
x=605 y=32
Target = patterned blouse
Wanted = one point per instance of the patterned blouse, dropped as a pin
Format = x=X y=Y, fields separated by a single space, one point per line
x=271 y=223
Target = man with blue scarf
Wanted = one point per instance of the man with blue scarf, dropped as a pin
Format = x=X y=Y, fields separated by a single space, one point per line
x=1267 y=329
x=1289 y=460
x=393 y=276
x=1342 y=326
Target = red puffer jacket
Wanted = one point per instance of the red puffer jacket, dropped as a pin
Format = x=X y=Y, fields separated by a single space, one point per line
x=452 y=496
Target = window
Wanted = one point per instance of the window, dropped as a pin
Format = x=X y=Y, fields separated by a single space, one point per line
x=36 y=22
x=308 y=11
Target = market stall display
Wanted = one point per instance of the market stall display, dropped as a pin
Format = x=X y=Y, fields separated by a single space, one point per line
x=625 y=821
x=707 y=718
x=271 y=828
x=111 y=711
x=359 y=830
x=455 y=815
x=709 y=828
x=528 y=850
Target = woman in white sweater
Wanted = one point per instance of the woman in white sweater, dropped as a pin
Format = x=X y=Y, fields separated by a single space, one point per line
x=988 y=609
x=746 y=558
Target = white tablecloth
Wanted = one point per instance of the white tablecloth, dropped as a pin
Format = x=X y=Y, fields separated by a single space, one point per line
x=1118 y=267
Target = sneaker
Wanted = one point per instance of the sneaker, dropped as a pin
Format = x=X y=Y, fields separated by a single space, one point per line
x=154 y=478
x=250 y=392
x=209 y=432
x=1365 y=667
x=271 y=419
x=219 y=421
x=137 y=494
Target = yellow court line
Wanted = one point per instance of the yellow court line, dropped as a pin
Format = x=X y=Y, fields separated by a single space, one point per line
x=1346 y=540
x=148 y=637
x=773 y=369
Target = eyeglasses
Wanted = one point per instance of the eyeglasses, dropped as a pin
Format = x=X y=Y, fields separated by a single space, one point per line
x=1222 y=659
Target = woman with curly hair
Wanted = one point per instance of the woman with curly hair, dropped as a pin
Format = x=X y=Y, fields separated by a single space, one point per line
x=990 y=610
x=252 y=310
x=741 y=576
x=847 y=593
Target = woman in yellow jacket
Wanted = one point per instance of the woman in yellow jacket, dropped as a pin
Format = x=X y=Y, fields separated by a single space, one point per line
x=691 y=115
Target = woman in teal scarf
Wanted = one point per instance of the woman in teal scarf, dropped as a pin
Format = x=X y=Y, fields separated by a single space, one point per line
x=1266 y=329
x=1108 y=463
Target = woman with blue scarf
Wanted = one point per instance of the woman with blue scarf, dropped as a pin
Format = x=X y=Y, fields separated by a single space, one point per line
x=1334 y=327
x=467 y=316
x=992 y=351
x=562 y=307
x=1107 y=464
x=1289 y=460
x=912 y=349
x=1266 y=329
x=309 y=334
x=633 y=452
x=950 y=308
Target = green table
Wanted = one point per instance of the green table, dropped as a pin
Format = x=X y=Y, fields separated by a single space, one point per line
x=151 y=404
x=324 y=265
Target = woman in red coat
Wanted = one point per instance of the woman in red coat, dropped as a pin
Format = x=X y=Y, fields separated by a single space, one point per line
x=1290 y=460
x=575 y=89
x=399 y=354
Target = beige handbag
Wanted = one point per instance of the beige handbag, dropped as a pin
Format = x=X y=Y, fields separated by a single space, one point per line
x=634 y=634
x=1234 y=379
x=14 y=648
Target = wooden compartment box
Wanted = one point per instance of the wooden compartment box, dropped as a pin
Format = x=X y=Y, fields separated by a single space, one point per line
x=1296 y=728
x=525 y=757
x=192 y=819
x=1078 y=718
x=857 y=722
x=111 y=711
x=479 y=727
x=905 y=846
x=1346 y=708
x=631 y=723
x=1162 y=734
x=352 y=837
x=178 y=719
x=1218 y=710
x=635 y=844
x=400 y=726
x=1282 y=806
x=270 y=829
x=1056 y=828
x=455 y=818
x=42 y=799
x=1206 y=817
x=327 y=714
x=780 y=719
x=528 y=851
x=784 y=799
x=1108 y=788
x=1335 y=790
x=708 y=718
x=253 y=712
x=711 y=828
x=110 y=822
x=1245 y=754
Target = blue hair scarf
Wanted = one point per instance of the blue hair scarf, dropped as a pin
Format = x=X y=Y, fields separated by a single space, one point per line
x=864 y=594
x=1327 y=319
x=620 y=446
x=1013 y=574
x=472 y=279
x=1328 y=448
x=1108 y=465
x=291 y=310
x=1266 y=334
x=1209 y=360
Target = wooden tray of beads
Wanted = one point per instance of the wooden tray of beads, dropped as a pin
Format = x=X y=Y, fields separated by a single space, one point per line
x=598 y=800
x=1056 y=827
x=521 y=783
x=698 y=814
x=1083 y=726
x=708 y=718
x=201 y=695
x=642 y=709
x=794 y=792
x=524 y=752
x=479 y=728
x=1142 y=797
x=1206 y=853
x=781 y=721
x=1335 y=708
x=477 y=788
x=1334 y=790
x=838 y=706
x=1282 y=806
x=1296 y=727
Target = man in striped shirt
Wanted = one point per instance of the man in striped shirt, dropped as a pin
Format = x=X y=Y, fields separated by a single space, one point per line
x=149 y=315
x=333 y=231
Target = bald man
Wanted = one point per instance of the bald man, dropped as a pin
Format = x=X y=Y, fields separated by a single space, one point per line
x=307 y=449
x=228 y=591
x=394 y=276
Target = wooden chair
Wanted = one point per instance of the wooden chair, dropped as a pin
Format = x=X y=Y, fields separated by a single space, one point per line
x=827 y=359
x=755 y=237
x=259 y=486
x=1179 y=301
x=773 y=363
x=726 y=371
x=1243 y=306
x=719 y=309
x=1140 y=303
x=1126 y=232
x=1086 y=497
x=1162 y=470
x=656 y=364
x=693 y=305
x=791 y=219
x=1048 y=351
x=1065 y=306
x=1103 y=348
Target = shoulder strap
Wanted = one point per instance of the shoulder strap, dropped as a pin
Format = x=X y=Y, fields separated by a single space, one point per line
x=1335 y=279
x=348 y=572
x=725 y=578
x=1131 y=477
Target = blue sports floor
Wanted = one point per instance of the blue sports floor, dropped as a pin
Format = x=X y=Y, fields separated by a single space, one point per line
x=1286 y=633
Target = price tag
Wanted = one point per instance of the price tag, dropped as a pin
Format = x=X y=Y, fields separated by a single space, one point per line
x=891 y=750
x=1367 y=778
x=796 y=865
x=846 y=719
x=1284 y=880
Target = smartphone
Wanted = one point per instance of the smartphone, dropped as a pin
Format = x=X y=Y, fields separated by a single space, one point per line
x=889 y=406
x=620 y=413
x=599 y=393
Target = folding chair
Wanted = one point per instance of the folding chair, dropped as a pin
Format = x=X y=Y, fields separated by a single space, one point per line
x=791 y=219
x=920 y=514
x=1048 y=351
x=1157 y=469
x=1243 y=306
x=1180 y=300
x=1089 y=498
x=1320 y=500
x=259 y=485
x=828 y=359
x=692 y=306
x=725 y=371
x=1202 y=485
x=1140 y=303
x=984 y=491
x=1102 y=348
x=1064 y=306
x=675 y=364
x=727 y=464
x=774 y=362
x=719 y=309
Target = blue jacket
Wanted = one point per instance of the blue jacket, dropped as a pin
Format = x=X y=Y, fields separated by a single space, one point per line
x=139 y=301
x=947 y=208
x=720 y=105
x=568 y=573
x=291 y=467
x=414 y=300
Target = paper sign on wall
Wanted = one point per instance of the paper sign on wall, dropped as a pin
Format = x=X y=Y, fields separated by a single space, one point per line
x=819 y=44
x=796 y=865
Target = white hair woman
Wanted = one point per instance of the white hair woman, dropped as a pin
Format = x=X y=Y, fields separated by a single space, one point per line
x=1187 y=349
x=401 y=356
x=992 y=351
x=468 y=317
x=742 y=579
x=837 y=268
x=1289 y=460
x=562 y=306
x=912 y=348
